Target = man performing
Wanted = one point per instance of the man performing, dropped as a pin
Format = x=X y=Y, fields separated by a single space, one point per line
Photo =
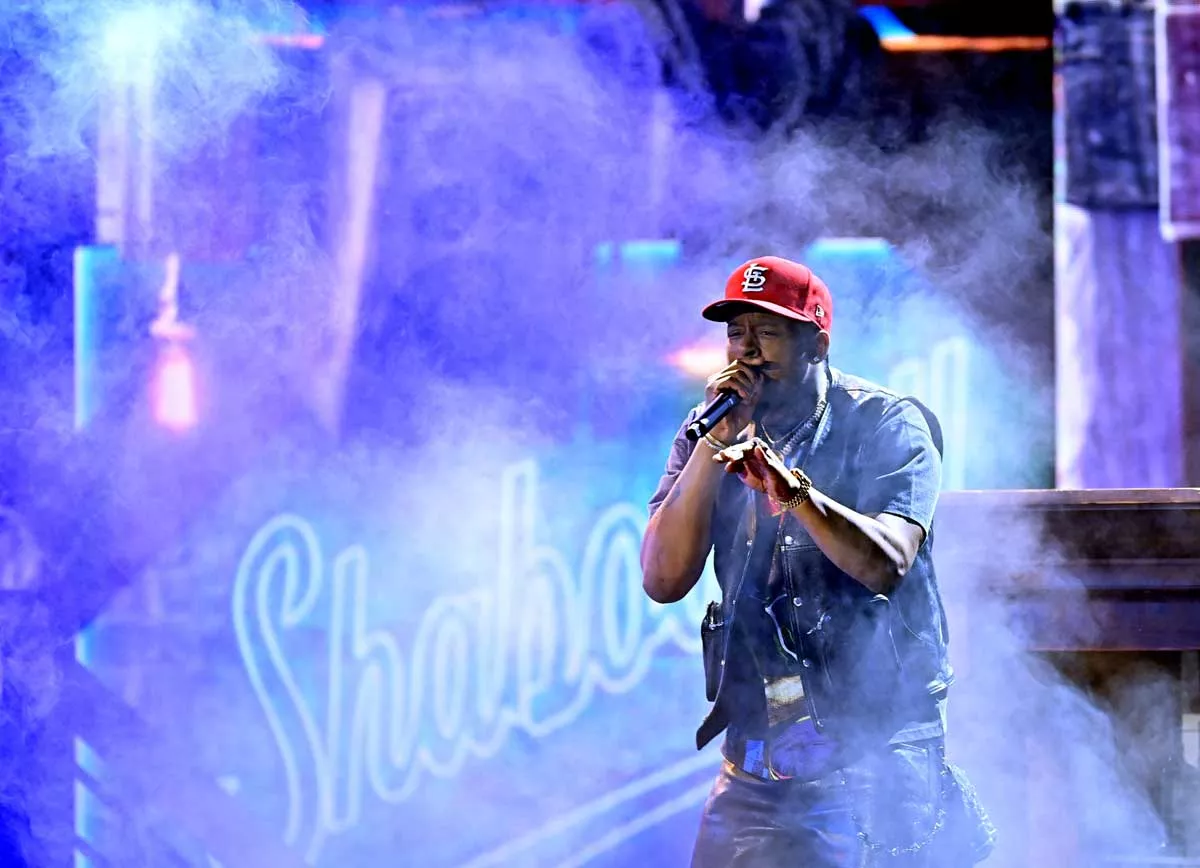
x=826 y=660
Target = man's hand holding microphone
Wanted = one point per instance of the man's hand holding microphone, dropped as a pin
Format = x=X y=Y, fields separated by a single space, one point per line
x=756 y=464
x=732 y=394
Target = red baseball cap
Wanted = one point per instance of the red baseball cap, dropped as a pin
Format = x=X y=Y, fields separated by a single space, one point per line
x=777 y=286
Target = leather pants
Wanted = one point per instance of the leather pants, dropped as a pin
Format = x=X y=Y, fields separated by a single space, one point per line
x=880 y=810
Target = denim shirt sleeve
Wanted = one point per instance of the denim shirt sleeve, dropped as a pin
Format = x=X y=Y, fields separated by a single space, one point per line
x=901 y=470
x=681 y=451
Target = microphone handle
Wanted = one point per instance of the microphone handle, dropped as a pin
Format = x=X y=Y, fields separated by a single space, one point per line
x=716 y=410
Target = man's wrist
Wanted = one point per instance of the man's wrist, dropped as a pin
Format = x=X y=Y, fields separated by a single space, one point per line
x=725 y=433
x=801 y=488
x=725 y=438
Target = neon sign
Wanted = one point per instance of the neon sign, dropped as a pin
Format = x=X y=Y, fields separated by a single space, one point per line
x=942 y=380
x=527 y=652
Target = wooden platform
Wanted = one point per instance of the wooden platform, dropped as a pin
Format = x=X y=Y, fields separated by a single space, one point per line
x=1084 y=570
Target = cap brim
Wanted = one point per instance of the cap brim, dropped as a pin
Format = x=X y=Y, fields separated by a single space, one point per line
x=727 y=308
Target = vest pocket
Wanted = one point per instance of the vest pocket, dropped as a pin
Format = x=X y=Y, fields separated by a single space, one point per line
x=845 y=631
x=712 y=645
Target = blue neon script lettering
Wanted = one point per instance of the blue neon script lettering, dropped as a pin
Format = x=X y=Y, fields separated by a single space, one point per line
x=527 y=651
x=942 y=381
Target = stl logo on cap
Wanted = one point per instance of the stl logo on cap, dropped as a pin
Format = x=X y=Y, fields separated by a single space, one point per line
x=754 y=278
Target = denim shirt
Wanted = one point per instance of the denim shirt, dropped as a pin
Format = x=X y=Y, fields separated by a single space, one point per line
x=873 y=667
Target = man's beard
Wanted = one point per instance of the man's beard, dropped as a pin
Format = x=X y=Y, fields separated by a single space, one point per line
x=783 y=399
x=773 y=396
x=776 y=392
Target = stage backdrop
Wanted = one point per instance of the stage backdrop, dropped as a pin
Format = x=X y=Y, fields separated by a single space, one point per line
x=442 y=656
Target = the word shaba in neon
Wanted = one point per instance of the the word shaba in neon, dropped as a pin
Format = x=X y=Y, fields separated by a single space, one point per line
x=526 y=651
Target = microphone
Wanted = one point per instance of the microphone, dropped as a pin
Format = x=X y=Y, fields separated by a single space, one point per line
x=716 y=410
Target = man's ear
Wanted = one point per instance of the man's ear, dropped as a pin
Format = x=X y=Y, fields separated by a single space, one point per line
x=821 y=345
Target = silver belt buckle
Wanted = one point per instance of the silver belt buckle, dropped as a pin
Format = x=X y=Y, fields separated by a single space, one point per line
x=783 y=697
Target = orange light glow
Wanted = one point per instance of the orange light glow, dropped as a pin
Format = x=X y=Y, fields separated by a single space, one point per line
x=965 y=43
x=175 y=389
x=311 y=41
x=173 y=392
x=699 y=360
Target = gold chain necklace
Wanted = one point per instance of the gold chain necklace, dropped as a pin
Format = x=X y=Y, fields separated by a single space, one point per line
x=792 y=438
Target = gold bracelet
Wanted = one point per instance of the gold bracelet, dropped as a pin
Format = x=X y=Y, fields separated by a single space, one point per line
x=714 y=444
x=800 y=496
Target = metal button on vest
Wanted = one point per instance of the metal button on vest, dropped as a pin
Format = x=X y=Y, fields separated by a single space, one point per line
x=787 y=540
x=806 y=663
x=797 y=602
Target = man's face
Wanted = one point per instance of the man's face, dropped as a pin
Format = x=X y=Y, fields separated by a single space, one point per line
x=781 y=348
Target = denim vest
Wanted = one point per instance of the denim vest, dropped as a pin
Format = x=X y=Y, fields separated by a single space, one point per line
x=873 y=667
